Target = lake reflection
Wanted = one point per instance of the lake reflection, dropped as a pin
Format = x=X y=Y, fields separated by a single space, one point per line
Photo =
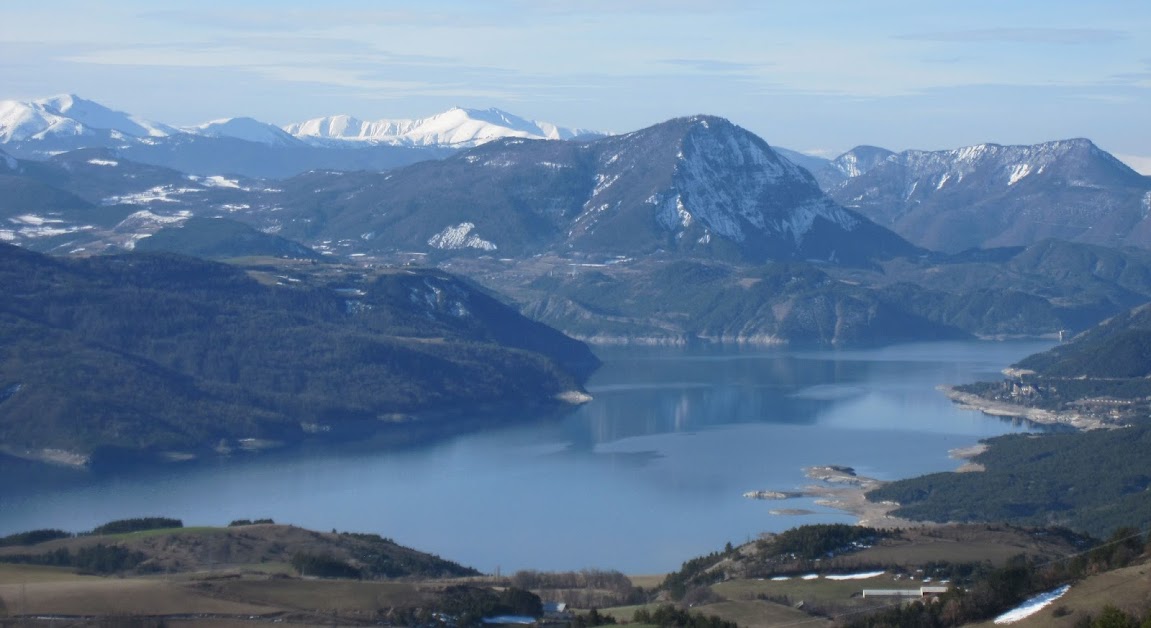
x=644 y=477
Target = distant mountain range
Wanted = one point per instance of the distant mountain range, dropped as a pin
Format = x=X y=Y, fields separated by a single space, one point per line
x=249 y=147
x=70 y=116
x=455 y=127
x=691 y=186
x=951 y=200
x=696 y=186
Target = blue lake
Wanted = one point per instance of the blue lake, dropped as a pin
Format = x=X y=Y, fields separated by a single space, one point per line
x=648 y=474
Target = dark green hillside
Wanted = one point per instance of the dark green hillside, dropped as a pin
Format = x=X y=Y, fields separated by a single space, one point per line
x=1093 y=482
x=518 y=207
x=21 y=194
x=172 y=548
x=222 y=238
x=159 y=352
x=1046 y=288
x=686 y=301
x=1102 y=373
x=1041 y=289
x=1118 y=348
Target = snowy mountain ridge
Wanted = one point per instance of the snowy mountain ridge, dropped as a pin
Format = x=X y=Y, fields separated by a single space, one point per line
x=991 y=195
x=454 y=127
x=1006 y=165
x=70 y=115
x=42 y=128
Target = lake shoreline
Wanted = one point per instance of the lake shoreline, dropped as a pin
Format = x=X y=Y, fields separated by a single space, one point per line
x=842 y=489
x=675 y=436
x=971 y=401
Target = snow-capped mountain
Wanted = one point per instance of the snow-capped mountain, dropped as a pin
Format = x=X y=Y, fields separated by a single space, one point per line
x=68 y=115
x=991 y=195
x=247 y=129
x=456 y=127
x=248 y=147
x=694 y=186
x=850 y=165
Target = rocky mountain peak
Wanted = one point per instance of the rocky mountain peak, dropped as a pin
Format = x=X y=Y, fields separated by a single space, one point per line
x=1003 y=195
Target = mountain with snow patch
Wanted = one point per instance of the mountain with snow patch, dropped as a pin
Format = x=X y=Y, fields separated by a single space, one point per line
x=850 y=165
x=698 y=186
x=456 y=127
x=991 y=195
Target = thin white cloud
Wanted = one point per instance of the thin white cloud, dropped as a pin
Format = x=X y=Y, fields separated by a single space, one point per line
x=715 y=65
x=1053 y=36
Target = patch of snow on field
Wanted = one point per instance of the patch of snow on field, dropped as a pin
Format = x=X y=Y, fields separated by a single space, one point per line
x=810 y=576
x=1032 y=606
x=856 y=576
x=103 y=162
x=33 y=219
x=217 y=181
x=160 y=193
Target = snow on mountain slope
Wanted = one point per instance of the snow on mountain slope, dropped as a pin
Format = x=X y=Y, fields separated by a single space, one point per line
x=707 y=181
x=774 y=194
x=698 y=186
x=859 y=160
x=992 y=195
x=853 y=163
x=243 y=128
x=68 y=115
x=996 y=165
x=454 y=127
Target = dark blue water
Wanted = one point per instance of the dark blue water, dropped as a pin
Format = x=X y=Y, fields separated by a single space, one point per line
x=647 y=475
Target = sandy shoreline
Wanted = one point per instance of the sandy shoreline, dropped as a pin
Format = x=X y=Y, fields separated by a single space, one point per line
x=966 y=454
x=843 y=490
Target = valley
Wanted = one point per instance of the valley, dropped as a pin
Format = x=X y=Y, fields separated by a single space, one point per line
x=388 y=326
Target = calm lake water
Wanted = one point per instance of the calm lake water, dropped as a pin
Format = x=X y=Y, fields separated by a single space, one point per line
x=647 y=475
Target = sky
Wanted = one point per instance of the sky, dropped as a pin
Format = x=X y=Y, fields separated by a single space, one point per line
x=818 y=76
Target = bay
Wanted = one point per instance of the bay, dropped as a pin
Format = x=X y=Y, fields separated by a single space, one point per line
x=648 y=474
